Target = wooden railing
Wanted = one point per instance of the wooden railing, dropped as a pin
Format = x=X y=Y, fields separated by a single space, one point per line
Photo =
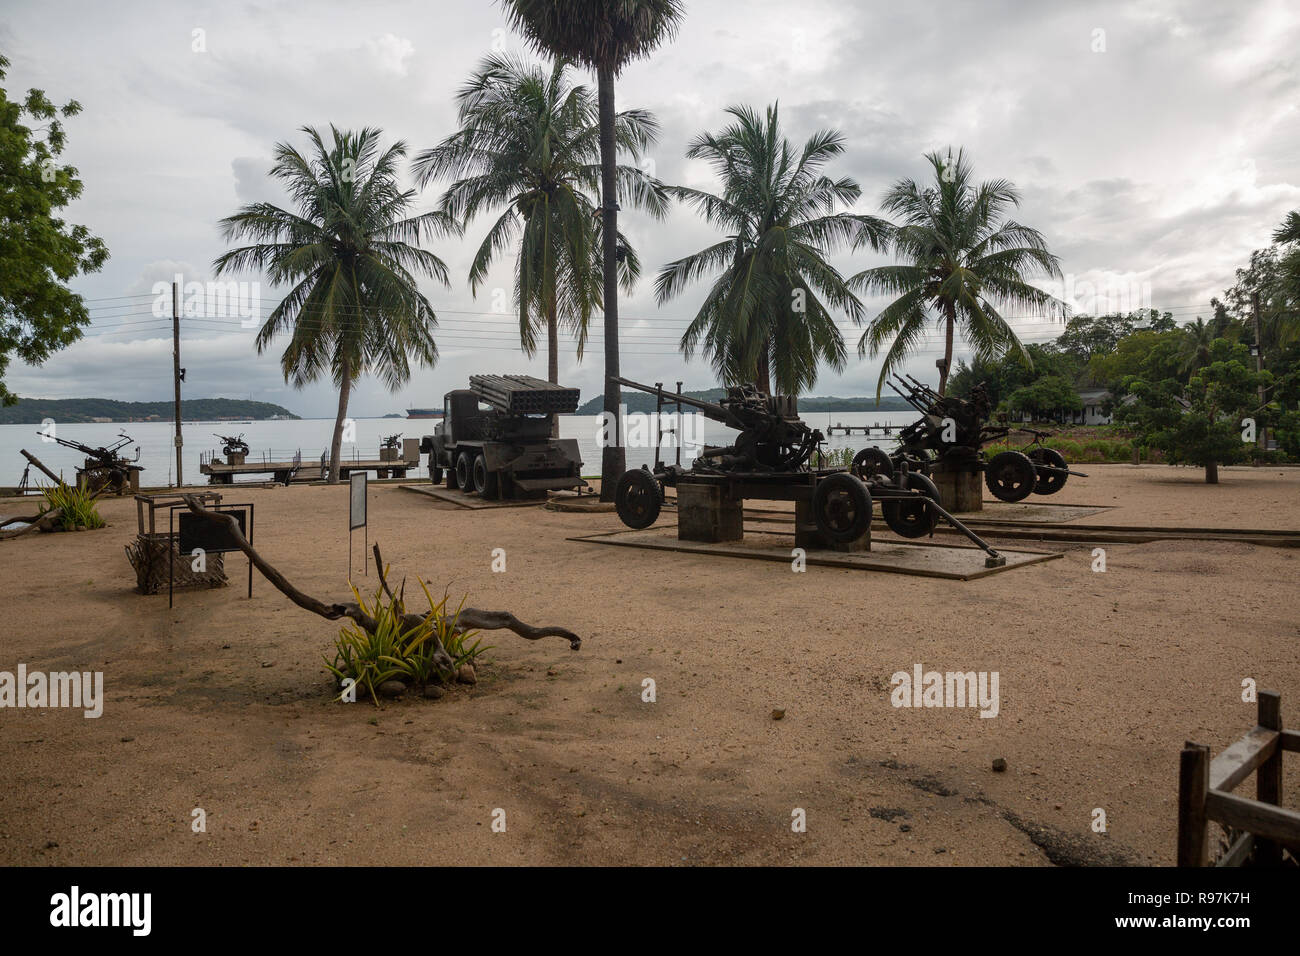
x=1260 y=830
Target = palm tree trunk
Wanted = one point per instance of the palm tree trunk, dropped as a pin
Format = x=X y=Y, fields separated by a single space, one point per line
x=1212 y=473
x=764 y=372
x=336 y=445
x=553 y=356
x=944 y=369
x=612 y=460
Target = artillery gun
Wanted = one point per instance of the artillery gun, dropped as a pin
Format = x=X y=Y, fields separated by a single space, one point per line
x=952 y=432
x=104 y=468
x=232 y=445
x=390 y=441
x=494 y=438
x=772 y=458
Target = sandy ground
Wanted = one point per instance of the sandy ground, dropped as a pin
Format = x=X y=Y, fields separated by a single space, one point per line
x=223 y=703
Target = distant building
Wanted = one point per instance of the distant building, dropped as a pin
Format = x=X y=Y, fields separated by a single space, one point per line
x=1093 y=401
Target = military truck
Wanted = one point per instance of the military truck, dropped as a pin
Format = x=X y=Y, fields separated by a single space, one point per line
x=495 y=440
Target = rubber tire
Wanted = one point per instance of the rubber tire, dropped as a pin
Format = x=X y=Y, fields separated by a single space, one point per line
x=486 y=482
x=1051 y=482
x=873 y=456
x=638 y=498
x=1018 y=468
x=912 y=519
x=465 y=472
x=859 y=498
x=435 y=474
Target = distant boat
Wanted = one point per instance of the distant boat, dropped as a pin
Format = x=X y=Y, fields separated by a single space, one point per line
x=424 y=413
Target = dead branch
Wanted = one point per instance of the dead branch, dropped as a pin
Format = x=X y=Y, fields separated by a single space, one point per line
x=469 y=617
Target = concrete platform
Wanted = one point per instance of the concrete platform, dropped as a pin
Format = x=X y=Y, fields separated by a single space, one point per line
x=1019 y=511
x=472 y=502
x=892 y=557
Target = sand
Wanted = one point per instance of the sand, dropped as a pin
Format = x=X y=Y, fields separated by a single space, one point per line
x=222 y=704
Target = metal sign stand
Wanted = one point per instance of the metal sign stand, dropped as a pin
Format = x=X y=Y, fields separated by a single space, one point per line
x=358 y=483
x=211 y=540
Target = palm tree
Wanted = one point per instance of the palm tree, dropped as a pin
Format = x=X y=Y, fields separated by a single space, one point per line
x=768 y=313
x=1289 y=230
x=1194 y=348
x=351 y=254
x=959 y=261
x=603 y=35
x=530 y=141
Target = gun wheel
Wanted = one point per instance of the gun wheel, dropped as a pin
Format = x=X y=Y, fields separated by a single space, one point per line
x=871 y=463
x=638 y=498
x=1010 y=476
x=912 y=517
x=1049 y=482
x=841 y=507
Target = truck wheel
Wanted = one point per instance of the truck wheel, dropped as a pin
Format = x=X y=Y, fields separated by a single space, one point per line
x=638 y=498
x=841 y=507
x=1010 y=476
x=435 y=474
x=464 y=472
x=485 y=481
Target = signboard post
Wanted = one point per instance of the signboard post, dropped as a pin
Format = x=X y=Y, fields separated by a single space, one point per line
x=195 y=533
x=357 y=483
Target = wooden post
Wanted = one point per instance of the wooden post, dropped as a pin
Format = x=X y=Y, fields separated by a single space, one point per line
x=176 y=374
x=1260 y=438
x=1193 y=785
x=1268 y=779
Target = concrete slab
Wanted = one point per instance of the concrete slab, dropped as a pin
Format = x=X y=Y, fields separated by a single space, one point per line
x=472 y=502
x=1036 y=511
x=893 y=557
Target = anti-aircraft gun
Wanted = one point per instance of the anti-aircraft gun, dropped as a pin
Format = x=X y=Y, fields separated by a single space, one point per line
x=952 y=432
x=495 y=438
x=104 y=467
x=773 y=458
x=232 y=445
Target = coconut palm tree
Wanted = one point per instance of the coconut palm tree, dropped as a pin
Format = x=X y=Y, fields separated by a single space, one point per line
x=529 y=140
x=1194 y=347
x=768 y=315
x=350 y=253
x=959 y=261
x=603 y=35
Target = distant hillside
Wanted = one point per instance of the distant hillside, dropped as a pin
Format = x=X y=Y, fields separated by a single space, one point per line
x=32 y=411
x=644 y=402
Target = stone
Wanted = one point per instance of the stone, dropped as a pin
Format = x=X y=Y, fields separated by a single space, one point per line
x=778 y=714
x=392 y=688
x=999 y=764
x=466 y=674
x=433 y=691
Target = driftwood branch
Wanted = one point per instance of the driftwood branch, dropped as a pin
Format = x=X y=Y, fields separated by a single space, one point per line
x=470 y=617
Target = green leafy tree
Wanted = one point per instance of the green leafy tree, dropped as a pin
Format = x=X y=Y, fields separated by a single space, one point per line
x=603 y=35
x=39 y=252
x=528 y=147
x=1204 y=424
x=960 y=260
x=350 y=254
x=768 y=316
x=1143 y=354
x=1047 y=398
x=1004 y=374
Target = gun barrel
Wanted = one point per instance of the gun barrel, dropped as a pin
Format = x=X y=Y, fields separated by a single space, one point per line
x=711 y=409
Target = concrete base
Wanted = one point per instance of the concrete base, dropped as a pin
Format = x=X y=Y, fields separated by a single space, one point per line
x=709 y=513
x=807 y=536
x=960 y=491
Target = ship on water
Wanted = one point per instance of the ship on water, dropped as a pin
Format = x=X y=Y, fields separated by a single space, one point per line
x=424 y=413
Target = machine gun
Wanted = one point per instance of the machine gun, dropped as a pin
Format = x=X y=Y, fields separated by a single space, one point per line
x=232 y=444
x=951 y=433
x=773 y=438
x=104 y=467
x=390 y=441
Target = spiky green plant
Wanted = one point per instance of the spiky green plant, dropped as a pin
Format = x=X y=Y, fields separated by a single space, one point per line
x=75 y=504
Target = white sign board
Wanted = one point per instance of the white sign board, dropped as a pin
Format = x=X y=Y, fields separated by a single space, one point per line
x=357 y=510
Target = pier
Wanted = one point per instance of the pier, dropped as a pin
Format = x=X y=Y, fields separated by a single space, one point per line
x=286 y=468
x=876 y=431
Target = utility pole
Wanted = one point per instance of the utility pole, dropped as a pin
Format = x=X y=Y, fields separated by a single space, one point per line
x=176 y=373
x=1260 y=437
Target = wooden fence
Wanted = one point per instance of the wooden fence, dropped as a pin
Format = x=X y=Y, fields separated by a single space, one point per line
x=1259 y=830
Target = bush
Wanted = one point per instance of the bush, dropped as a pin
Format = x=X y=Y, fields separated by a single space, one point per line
x=394 y=651
x=75 y=505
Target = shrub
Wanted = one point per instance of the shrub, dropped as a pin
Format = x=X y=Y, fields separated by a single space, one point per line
x=76 y=506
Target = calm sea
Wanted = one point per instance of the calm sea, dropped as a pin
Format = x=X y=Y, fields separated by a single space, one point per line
x=279 y=440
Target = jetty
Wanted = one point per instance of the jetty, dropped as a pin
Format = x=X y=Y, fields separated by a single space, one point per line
x=286 y=468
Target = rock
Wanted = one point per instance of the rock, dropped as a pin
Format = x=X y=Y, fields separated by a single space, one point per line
x=433 y=691
x=778 y=714
x=466 y=674
x=392 y=688
x=999 y=764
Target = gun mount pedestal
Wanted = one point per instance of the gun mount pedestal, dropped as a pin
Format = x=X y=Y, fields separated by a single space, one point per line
x=960 y=483
x=709 y=513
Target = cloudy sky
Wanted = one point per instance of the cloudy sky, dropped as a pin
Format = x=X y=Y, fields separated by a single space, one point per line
x=1155 y=144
